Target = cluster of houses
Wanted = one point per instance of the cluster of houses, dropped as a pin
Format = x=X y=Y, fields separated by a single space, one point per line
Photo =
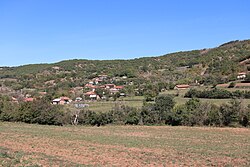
x=112 y=88
x=98 y=83
x=78 y=92
x=19 y=97
x=91 y=95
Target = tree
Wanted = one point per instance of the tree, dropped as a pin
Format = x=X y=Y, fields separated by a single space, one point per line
x=230 y=112
x=164 y=104
x=244 y=117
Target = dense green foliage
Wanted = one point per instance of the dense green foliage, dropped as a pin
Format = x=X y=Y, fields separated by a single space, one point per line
x=217 y=94
x=39 y=111
x=162 y=112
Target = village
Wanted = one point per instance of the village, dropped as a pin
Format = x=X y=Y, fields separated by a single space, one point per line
x=101 y=88
x=96 y=89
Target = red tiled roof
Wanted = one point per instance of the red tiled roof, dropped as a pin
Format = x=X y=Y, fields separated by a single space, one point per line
x=110 y=84
x=242 y=73
x=29 y=99
x=91 y=86
x=182 y=86
x=64 y=98
x=119 y=87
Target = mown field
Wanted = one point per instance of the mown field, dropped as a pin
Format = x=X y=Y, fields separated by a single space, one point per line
x=37 y=145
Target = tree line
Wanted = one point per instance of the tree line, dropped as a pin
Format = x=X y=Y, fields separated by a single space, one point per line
x=217 y=94
x=163 y=111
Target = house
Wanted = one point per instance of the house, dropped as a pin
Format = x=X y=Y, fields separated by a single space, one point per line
x=113 y=90
x=91 y=86
x=62 y=100
x=122 y=94
x=14 y=100
x=78 y=99
x=179 y=87
x=97 y=80
x=119 y=87
x=241 y=75
x=222 y=86
x=92 y=95
x=102 y=77
x=42 y=93
x=116 y=89
x=29 y=99
x=109 y=86
x=56 y=101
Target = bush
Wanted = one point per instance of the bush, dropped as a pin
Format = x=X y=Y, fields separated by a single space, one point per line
x=231 y=85
x=159 y=112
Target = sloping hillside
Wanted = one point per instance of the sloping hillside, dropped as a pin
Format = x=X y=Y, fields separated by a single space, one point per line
x=208 y=66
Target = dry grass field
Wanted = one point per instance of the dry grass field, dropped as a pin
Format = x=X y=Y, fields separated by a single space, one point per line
x=37 y=145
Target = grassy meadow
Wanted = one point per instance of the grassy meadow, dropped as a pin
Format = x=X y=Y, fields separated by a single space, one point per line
x=105 y=106
x=37 y=145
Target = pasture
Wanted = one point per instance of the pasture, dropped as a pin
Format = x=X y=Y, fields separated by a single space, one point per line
x=105 y=106
x=37 y=145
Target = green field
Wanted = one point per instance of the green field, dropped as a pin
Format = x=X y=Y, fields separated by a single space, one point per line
x=181 y=100
x=37 y=145
x=104 y=106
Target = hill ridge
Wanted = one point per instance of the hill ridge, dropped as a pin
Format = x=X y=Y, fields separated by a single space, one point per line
x=217 y=65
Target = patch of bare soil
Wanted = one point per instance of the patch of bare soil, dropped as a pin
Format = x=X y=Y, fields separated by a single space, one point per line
x=54 y=152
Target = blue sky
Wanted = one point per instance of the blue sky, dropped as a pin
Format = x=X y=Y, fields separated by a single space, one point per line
x=45 y=31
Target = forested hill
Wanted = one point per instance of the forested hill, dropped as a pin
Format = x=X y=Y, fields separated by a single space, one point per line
x=209 y=66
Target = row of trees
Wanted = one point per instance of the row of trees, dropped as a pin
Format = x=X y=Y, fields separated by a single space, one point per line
x=165 y=112
x=162 y=112
x=194 y=112
x=39 y=111
x=217 y=94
